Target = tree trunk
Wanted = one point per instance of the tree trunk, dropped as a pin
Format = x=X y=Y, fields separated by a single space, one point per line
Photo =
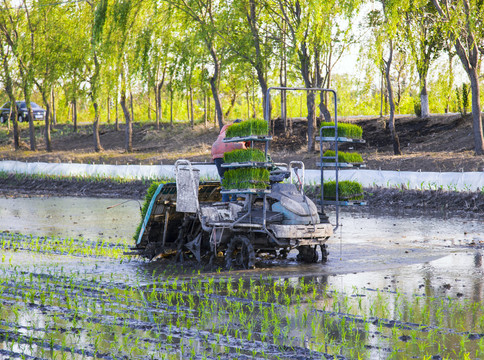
x=248 y=102
x=48 y=142
x=149 y=106
x=109 y=110
x=54 y=113
x=451 y=79
x=213 y=84
x=476 y=112
x=157 y=117
x=128 y=146
x=381 y=96
x=283 y=79
x=74 y=114
x=305 y=61
x=11 y=97
x=171 y=107
x=424 y=100
x=117 y=118
x=95 y=128
x=33 y=145
x=311 y=120
x=205 y=109
x=188 y=107
x=233 y=99
x=131 y=106
x=158 y=104
x=391 y=120
x=192 y=121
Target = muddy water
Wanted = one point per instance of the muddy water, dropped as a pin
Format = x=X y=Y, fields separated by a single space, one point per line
x=69 y=217
x=394 y=287
x=367 y=249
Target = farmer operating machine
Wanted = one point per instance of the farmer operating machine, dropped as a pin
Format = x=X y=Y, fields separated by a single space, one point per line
x=270 y=216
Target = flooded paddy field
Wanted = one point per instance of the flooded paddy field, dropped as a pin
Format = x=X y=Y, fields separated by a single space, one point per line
x=394 y=287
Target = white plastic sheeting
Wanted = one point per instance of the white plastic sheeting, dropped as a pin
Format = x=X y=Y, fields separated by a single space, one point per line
x=453 y=181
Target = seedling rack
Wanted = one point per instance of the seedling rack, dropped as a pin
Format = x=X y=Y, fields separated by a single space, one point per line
x=335 y=164
x=252 y=193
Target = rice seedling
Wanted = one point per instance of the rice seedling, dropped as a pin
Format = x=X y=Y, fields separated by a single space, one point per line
x=247 y=128
x=244 y=155
x=347 y=190
x=343 y=157
x=246 y=178
x=149 y=195
x=344 y=130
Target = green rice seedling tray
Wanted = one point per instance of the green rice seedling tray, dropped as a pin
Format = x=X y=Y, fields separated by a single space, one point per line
x=347 y=190
x=343 y=157
x=345 y=160
x=247 y=128
x=246 y=178
x=244 y=155
x=350 y=131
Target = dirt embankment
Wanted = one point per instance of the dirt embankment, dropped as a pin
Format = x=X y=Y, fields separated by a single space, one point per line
x=378 y=199
x=439 y=143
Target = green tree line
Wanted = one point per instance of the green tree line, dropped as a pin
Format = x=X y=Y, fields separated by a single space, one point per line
x=211 y=60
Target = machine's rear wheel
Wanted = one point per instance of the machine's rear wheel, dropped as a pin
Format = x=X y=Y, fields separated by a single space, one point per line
x=307 y=254
x=240 y=253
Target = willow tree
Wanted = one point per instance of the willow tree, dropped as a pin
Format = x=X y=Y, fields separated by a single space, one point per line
x=56 y=51
x=153 y=47
x=463 y=21
x=20 y=37
x=385 y=24
x=205 y=17
x=122 y=32
x=245 y=32
x=424 y=38
x=98 y=11
x=313 y=29
x=8 y=35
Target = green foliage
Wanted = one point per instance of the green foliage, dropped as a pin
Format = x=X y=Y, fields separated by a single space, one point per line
x=149 y=195
x=417 y=108
x=462 y=95
x=247 y=128
x=465 y=98
x=246 y=178
x=99 y=20
x=243 y=155
x=348 y=190
x=344 y=130
x=344 y=157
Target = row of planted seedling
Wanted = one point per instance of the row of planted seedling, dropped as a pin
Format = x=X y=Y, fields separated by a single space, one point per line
x=75 y=314
x=63 y=246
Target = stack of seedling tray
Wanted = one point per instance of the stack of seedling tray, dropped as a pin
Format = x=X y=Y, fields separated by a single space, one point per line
x=349 y=192
x=247 y=168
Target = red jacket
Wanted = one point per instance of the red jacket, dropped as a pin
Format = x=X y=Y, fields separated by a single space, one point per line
x=219 y=148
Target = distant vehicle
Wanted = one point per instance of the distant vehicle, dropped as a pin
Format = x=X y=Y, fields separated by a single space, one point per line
x=38 y=112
